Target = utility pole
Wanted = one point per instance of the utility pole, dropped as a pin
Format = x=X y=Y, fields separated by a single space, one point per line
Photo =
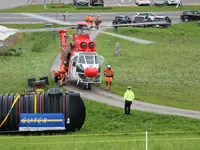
x=45 y=4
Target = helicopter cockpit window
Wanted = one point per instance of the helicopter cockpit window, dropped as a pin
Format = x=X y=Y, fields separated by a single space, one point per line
x=89 y=59
x=81 y=59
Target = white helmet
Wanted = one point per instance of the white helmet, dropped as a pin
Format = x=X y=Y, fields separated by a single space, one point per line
x=108 y=66
x=98 y=15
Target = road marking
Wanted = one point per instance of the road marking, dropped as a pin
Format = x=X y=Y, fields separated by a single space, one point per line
x=30 y=1
x=22 y=22
x=134 y=4
x=119 y=4
x=195 y=3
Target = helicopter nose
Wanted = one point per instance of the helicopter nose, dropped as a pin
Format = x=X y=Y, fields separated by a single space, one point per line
x=91 y=72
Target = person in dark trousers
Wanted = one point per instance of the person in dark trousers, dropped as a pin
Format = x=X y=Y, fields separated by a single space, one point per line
x=116 y=27
x=128 y=97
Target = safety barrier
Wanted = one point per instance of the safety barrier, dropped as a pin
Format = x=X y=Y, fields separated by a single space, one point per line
x=69 y=104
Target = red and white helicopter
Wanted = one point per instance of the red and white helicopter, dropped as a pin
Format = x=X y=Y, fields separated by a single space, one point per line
x=84 y=63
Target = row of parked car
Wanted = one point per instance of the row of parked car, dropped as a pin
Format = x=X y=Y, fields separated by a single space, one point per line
x=156 y=2
x=151 y=18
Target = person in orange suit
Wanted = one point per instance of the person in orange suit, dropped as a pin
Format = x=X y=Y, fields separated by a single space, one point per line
x=100 y=20
x=91 y=21
x=109 y=73
x=63 y=70
x=87 y=18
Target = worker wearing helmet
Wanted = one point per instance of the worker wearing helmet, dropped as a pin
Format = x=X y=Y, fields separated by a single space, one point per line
x=87 y=18
x=63 y=70
x=128 y=97
x=91 y=21
x=96 y=22
x=100 y=20
x=109 y=73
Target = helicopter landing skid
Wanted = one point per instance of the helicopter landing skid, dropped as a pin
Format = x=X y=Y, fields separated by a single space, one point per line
x=87 y=86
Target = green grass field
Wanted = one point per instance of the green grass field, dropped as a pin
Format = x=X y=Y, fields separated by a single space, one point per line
x=108 y=128
x=166 y=73
x=101 y=119
x=105 y=142
x=71 y=8
x=38 y=52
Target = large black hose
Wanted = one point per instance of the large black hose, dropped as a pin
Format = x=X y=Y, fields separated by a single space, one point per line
x=70 y=104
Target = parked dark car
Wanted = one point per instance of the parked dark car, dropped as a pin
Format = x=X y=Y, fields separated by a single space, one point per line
x=97 y=2
x=81 y=2
x=190 y=15
x=121 y=19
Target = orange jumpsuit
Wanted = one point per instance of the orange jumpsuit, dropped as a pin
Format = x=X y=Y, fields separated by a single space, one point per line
x=87 y=19
x=109 y=76
x=62 y=72
x=91 y=21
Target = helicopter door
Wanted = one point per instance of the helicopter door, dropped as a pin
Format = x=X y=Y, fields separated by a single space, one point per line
x=73 y=67
x=100 y=59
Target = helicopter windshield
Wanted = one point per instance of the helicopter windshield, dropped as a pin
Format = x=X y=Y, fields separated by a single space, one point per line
x=87 y=58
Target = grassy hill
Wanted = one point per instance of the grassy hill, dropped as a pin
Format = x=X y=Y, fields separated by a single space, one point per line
x=165 y=73
x=105 y=127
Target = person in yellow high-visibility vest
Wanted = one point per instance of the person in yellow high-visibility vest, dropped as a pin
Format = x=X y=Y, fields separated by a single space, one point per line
x=129 y=96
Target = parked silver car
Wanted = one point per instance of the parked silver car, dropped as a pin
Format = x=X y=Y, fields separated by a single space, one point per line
x=81 y=2
x=159 y=2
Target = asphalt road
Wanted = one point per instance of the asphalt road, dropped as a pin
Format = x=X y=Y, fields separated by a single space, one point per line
x=73 y=17
x=15 y=3
x=12 y=3
x=113 y=2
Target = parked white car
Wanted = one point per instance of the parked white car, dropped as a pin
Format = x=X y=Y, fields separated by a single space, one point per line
x=172 y=2
x=152 y=16
x=142 y=2
x=159 y=2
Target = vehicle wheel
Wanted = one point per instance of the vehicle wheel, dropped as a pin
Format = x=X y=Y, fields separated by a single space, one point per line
x=165 y=4
x=185 y=20
x=87 y=87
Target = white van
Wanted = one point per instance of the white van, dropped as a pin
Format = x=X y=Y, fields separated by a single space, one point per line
x=142 y=2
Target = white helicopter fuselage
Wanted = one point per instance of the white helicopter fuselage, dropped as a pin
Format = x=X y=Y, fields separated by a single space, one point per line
x=79 y=63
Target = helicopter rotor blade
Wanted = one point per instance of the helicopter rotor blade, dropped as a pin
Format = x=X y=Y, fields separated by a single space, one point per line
x=48 y=19
x=132 y=39
x=34 y=30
